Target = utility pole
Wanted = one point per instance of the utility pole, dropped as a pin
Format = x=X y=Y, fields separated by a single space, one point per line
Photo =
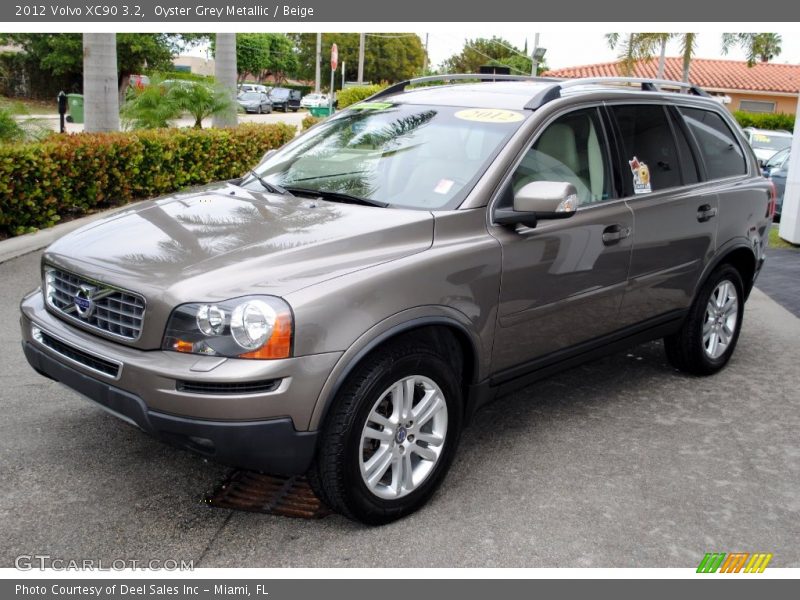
x=361 y=39
x=425 y=64
x=534 y=60
x=318 y=72
x=100 y=91
x=225 y=73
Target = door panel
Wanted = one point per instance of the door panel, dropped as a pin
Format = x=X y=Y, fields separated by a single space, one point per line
x=561 y=284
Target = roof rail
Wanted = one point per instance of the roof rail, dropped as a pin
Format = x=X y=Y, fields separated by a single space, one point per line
x=402 y=85
x=647 y=85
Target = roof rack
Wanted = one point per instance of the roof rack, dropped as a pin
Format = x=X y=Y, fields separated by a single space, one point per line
x=551 y=92
x=402 y=85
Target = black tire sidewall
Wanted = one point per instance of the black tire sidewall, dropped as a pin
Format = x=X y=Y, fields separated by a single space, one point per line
x=362 y=501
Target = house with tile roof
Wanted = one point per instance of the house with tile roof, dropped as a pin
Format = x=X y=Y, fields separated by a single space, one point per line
x=764 y=87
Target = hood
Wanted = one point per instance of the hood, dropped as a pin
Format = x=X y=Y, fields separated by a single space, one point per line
x=224 y=241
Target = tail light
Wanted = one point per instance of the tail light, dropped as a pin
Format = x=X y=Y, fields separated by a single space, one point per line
x=773 y=200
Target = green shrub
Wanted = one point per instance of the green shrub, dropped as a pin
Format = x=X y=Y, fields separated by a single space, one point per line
x=309 y=121
x=351 y=95
x=16 y=127
x=765 y=120
x=72 y=175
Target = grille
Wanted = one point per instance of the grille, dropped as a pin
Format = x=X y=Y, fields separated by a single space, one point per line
x=77 y=355
x=249 y=387
x=111 y=310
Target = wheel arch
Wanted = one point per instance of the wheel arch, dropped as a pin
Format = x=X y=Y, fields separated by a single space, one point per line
x=741 y=255
x=440 y=325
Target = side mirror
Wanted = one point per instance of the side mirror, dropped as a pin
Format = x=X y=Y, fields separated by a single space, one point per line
x=540 y=200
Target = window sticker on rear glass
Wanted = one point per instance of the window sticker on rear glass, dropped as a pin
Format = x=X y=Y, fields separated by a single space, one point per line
x=489 y=115
x=641 y=176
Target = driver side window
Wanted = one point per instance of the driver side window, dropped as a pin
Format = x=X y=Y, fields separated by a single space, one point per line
x=571 y=149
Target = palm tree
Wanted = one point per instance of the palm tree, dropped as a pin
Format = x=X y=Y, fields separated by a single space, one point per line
x=225 y=72
x=638 y=47
x=759 y=47
x=100 y=91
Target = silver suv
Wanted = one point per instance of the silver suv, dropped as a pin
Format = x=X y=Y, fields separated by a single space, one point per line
x=344 y=308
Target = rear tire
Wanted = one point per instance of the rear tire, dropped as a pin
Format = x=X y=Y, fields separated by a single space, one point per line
x=708 y=336
x=374 y=464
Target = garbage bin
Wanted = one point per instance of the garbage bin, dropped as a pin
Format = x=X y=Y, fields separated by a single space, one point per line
x=75 y=102
x=320 y=111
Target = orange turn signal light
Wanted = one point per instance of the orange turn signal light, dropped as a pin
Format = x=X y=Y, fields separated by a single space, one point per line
x=279 y=344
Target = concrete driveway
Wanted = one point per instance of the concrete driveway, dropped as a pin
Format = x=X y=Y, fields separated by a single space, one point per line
x=619 y=463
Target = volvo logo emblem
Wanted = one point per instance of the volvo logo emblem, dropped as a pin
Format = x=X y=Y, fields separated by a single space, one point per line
x=401 y=435
x=84 y=304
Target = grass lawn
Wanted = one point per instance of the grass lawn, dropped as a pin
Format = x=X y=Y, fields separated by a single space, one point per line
x=775 y=240
x=33 y=107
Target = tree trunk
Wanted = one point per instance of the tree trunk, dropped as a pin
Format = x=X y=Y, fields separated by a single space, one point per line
x=124 y=83
x=100 y=91
x=225 y=72
x=662 y=59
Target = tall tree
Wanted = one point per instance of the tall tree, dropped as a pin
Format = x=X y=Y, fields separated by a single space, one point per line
x=758 y=47
x=489 y=51
x=636 y=47
x=101 y=98
x=388 y=57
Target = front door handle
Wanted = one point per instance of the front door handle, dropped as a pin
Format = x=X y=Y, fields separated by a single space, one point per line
x=614 y=233
x=706 y=213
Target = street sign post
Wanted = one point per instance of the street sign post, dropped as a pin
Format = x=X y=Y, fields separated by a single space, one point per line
x=334 y=63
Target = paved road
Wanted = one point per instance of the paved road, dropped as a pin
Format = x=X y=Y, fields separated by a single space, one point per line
x=621 y=462
x=780 y=278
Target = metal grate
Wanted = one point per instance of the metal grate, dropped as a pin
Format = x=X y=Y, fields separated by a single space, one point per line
x=76 y=355
x=271 y=494
x=246 y=387
x=95 y=305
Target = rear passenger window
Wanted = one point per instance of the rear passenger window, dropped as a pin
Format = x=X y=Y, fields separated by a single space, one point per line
x=722 y=154
x=648 y=147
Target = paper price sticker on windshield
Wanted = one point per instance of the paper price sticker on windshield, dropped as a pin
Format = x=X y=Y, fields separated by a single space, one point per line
x=443 y=186
x=489 y=115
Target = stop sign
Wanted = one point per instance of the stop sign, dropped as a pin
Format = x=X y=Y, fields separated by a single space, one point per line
x=334 y=57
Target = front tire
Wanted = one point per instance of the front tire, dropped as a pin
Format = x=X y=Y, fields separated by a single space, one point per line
x=707 y=339
x=391 y=434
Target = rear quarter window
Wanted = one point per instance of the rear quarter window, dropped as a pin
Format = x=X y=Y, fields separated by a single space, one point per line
x=721 y=152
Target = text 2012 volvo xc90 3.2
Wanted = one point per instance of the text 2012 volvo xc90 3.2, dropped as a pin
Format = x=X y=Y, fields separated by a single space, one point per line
x=345 y=307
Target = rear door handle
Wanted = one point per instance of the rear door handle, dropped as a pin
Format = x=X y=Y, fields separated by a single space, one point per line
x=706 y=213
x=614 y=233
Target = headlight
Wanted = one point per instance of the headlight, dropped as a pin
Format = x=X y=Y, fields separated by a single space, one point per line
x=250 y=327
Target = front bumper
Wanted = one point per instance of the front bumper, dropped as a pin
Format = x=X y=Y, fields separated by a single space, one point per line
x=273 y=446
x=176 y=397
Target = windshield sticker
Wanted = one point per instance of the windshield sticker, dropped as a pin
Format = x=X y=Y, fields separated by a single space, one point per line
x=641 y=176
x=443 y=186
x=372 y=106
x=760 y=137
x=489 y=115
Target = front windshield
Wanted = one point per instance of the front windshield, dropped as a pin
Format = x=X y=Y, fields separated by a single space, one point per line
x=410 y=156
x=777 y=159
x=251 y=96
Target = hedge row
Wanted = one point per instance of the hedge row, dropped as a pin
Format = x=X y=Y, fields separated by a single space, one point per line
x=765 y=120
x=351 y=95
x=75 y=174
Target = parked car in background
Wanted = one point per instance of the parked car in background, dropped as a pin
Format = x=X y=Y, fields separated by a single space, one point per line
x=255 y=102
x=344 y=308
x=252 y=87
x=284 y=99
x=766 y=143
x=314 y=100
x=776 y=169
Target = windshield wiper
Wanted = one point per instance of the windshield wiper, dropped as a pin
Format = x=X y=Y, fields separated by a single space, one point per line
x=270 y=187
x=337 y=197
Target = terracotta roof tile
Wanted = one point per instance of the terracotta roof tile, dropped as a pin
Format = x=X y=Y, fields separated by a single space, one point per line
x=728 y=75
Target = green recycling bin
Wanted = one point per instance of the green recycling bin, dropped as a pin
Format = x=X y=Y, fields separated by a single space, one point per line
x=75 y=103
x=320 y=111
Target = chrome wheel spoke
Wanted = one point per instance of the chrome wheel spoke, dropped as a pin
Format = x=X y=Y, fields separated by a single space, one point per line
x=721 y=319
x=396 y=455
